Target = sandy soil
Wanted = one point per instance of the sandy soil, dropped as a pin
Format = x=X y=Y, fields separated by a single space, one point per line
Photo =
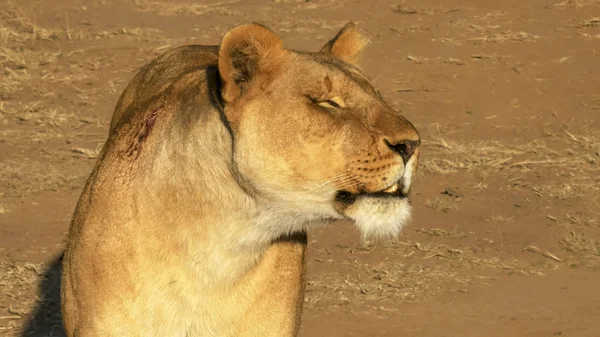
x=506 y=235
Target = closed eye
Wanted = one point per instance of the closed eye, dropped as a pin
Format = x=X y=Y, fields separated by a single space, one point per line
x=329 y=104
x=333 y=103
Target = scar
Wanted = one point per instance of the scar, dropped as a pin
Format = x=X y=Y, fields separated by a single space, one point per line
x=149 y=125
x=135 y=148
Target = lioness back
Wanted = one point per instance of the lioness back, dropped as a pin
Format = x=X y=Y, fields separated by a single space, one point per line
x=161 y=73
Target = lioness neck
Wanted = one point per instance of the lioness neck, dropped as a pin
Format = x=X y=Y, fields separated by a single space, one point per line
x=177 y=171
x=189 y=186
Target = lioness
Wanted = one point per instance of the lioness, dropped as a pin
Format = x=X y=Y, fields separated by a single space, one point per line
x=219 y=160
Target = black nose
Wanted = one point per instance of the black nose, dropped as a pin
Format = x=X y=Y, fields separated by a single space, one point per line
x=405 y=148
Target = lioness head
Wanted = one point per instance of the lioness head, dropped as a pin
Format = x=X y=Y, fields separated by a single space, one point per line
x=312 y=135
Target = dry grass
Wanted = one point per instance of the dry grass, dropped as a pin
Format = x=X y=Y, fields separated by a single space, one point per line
x=416 y=59
x=573 y=160
x=593 y=22
x=20 y=176
x=581 y=219
x=133 y=33
x=585 y=247
x=37 y=113
x=420 y=271
x=17 y=60
x=18 y=67
x=88 y=153
x=455 y=61
x=383 y=284
x=590 y=36
x=441 y=232
x=582 y=244
x=26 y=64
x=19 y=282
x=575 y=3
x=447 y=156
x=41 y=72
x=18 y=27
x=503 y=37
x=304 y=28
x=443 y=204
x=409 y=10
x=35 y=124
x=168 y=8
x=498 y=218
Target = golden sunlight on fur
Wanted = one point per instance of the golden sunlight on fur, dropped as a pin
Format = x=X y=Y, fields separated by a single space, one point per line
x=348 y=44
x=219 y=160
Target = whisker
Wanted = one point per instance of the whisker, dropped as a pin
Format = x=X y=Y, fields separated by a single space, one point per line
x=345 y=182
x=340 y=178
x=349 y=184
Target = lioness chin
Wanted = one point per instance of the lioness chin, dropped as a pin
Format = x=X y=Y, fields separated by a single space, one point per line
x=219 y=159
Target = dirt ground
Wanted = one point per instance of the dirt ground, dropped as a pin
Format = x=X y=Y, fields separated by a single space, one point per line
x=505 y=239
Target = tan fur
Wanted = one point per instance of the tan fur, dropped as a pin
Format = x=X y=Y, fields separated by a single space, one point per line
x=349 y=43
x=219 y=159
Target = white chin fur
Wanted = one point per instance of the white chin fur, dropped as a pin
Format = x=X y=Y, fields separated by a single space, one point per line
x=379 y=218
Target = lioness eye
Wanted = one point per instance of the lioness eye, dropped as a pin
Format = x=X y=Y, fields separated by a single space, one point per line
x=334 y=102
x=329 y=104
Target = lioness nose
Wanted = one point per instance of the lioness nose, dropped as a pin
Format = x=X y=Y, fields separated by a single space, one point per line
x=404 y=147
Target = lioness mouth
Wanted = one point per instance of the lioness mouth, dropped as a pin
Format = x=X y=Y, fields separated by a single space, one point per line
x=392 y=189
x=395 y=190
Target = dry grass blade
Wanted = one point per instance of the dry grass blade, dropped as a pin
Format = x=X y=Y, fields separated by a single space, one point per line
x=455 y=61
x=507 y=36
x=582 y=244
x=591 y=22
x=417 y=60
x=551 y=256
x=88 y=153
x=532 y=249
x=168 y=8
x=403 y=9
x=575 y=3
x=18 y=27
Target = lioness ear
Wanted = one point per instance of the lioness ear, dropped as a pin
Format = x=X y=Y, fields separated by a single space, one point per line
x=347 y=44
x=247 y=52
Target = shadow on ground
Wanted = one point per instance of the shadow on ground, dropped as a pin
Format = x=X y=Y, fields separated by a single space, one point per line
x=46 y=319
